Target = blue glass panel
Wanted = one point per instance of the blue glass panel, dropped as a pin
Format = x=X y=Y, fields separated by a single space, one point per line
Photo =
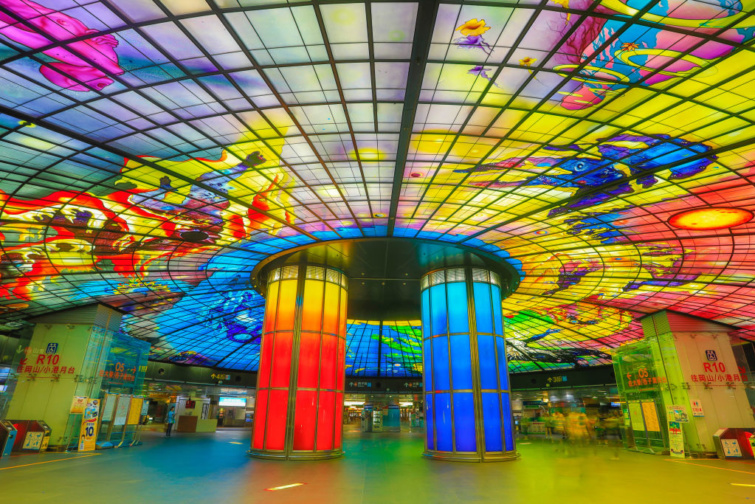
x=491 y=414
x=461 y=362
x=464 y=420
x=500 y=344
x=441 y=379
x=429 y=420
x=482 y=308
x=438 y=309
x=458 y=314
x=443 y=424
x=426 y=312
x=428 y=366
x=497 y=309
x=508 y=432
x=486 y=353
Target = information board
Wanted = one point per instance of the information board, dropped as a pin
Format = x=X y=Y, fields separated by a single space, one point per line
x=108 y=406
x=697 y=408
x=121 y=410
x=677 y=413
x=651 y=416
x=635 y=415
x=135 y=411
x=676 y=439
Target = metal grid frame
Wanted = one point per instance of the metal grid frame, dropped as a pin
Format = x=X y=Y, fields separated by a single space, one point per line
x=321 y=275
x=47 y=148
x=469 y=276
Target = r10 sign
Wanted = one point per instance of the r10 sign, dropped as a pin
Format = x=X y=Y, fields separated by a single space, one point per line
x=714 y=367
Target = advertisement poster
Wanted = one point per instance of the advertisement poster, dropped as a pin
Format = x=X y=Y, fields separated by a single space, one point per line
x=134 y=411
x=78 y=405
x=677 y=413
x=676 y=439
x=108 y=405
x=121 y=410
x=651 y=416
x=88 y=435
x=635 y=415
x=697 y=408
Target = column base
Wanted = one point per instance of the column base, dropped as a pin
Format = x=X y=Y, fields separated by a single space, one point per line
x=266 y=455
x=471 y=457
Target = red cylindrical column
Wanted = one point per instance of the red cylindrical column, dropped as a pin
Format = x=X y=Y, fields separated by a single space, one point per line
x=300 y=384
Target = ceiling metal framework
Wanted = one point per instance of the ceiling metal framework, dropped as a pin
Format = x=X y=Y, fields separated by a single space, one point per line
x=152 y=152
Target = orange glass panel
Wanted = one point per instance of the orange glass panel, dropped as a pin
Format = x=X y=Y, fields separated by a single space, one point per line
x=286 y=305
x=330 y=314
x=271 y=307
x=266 y=356
x=328 y=361
x=342 y=317
x=281 y=368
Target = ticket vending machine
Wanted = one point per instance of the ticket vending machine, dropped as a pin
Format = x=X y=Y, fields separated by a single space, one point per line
x=7 y=438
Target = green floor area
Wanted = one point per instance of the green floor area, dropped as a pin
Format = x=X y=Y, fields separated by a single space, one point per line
x=378 y=468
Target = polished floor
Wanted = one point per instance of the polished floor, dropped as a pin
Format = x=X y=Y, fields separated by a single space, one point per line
x=379 y=468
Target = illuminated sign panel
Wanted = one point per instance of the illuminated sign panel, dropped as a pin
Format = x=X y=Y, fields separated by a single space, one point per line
x=233 y=402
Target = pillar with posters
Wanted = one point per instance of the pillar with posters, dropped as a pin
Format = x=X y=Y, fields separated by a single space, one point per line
x=62 y=361
x=688 y=367
x=74 y=356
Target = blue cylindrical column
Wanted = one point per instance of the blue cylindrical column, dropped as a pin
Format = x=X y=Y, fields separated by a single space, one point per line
x=466 y=382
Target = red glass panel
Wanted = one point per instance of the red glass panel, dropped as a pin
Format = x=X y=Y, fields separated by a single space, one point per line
x=260 y=415
x=266 y=354
x=326 y=417
x=341 y=363
x=281 y=367
x=304 y=420
x=276 y=419
x=328 y=361
x=309 y=359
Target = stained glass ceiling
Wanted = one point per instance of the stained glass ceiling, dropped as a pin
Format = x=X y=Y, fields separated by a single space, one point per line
x=152 y=152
